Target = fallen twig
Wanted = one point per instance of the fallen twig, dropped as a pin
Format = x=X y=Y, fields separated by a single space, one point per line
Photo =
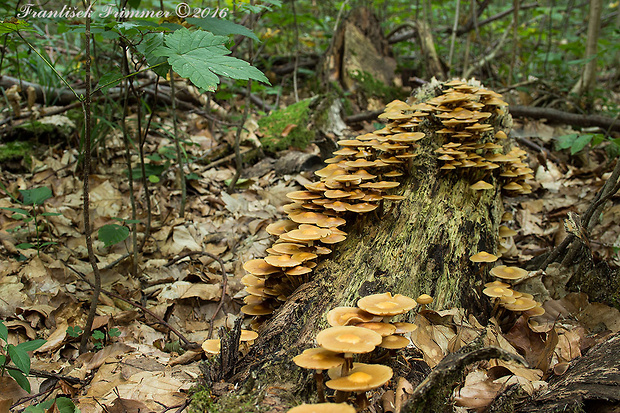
x=159 y=320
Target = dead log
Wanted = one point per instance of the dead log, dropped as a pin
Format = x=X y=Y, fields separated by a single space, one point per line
x=420 y=245
x=590 y=384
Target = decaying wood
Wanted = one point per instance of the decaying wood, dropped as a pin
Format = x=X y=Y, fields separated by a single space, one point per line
x=519 y=111
x=591 y=384
x=573 y=119
x=419 y=245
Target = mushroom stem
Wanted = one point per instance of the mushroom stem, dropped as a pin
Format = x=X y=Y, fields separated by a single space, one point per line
x=362 y=401
x=347 y=365
x=318 y=376
x=341 y=396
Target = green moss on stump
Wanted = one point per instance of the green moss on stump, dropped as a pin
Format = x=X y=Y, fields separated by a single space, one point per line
x=273 y=125
x=15 y=151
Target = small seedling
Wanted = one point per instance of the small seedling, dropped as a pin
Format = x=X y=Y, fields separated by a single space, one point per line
x=18 y=355
x=59 y=404
x=34 y=198
x=99 y=337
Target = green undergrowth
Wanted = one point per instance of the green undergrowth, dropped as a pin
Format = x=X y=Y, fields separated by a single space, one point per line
x=273 y=126
x=15 y=151
x=371 y=87
x=204 y=402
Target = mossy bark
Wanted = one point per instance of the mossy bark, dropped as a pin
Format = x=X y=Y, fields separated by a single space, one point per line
x=419 y=245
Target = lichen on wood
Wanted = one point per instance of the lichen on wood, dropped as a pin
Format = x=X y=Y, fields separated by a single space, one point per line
x=421 y=244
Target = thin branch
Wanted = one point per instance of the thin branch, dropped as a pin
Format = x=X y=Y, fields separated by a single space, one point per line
x=158 y=319
x=87 y=224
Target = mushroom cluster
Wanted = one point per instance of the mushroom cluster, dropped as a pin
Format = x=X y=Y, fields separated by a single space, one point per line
x=357 y=330
x=363 y=171
x=512 y=300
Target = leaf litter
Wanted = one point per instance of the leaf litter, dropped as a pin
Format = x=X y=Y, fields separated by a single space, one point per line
x=144 y=368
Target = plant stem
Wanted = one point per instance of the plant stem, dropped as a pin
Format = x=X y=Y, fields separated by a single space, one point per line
x=126 y=141
x=177 y=144
x=86 y=206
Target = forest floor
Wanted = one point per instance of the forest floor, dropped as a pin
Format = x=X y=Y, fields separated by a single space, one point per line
x=43 y=296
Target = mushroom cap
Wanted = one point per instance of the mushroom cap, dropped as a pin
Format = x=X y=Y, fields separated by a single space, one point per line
x=424 y=299
x=362 y=207
x=318 y=359
x=342 y=316
x=211 y=346
x=481 y=185
x=248 y=335
x=283 y=261
x=394 y=342
x=535 y=311
x=256 y=309
x=521 y=304
x=505 y=232
x=280 y=227
x=386 y=304
x=508 y=273
x=362 y=377
x=497 y=292
x=302 y=195
x=348 y=339
x=308 y=233
x=496 y=284
x=483 y=256
x=402 y=327
x=323 y=408
x=384 y=329
x=259 y=267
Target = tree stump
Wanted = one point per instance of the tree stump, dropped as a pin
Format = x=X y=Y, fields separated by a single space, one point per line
x=419 y=245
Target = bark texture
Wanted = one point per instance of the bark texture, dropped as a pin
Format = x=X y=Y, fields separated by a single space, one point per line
x=419 y=245
x=589 y=385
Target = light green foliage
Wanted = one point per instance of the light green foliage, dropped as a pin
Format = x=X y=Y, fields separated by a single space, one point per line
x=62 y=404
x=18 y=355
x=372 y=87
x=112 y=234
x=273 y=125
x=200 y=56
x=15 y=150
x=98 y=337
x=579 y=141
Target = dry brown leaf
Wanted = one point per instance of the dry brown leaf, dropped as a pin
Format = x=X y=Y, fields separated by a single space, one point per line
x=478 y=391
x=207 y=292
x=55 y=340
x=126 y=406
x=102 y=356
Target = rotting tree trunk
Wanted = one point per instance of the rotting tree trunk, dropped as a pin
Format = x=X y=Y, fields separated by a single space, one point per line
x=419 y=245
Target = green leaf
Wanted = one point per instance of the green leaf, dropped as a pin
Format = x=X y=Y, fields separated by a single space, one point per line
x=74 y=331
x=21 y=379
x=114 y=332
x=31 y=345
x=153 y=179
x=4 y=332
x=200 y=56
x=110 y=79
x=50 y=214
x=152 y=42
x=580 y=143
x=65 y=405
x=18 y=211
x=14 y=26
x=2 y=360
x=222 y=27
x=112 y=234
x=36 y=196
x=24 y=246
x=20 y=358
x=98 y=335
